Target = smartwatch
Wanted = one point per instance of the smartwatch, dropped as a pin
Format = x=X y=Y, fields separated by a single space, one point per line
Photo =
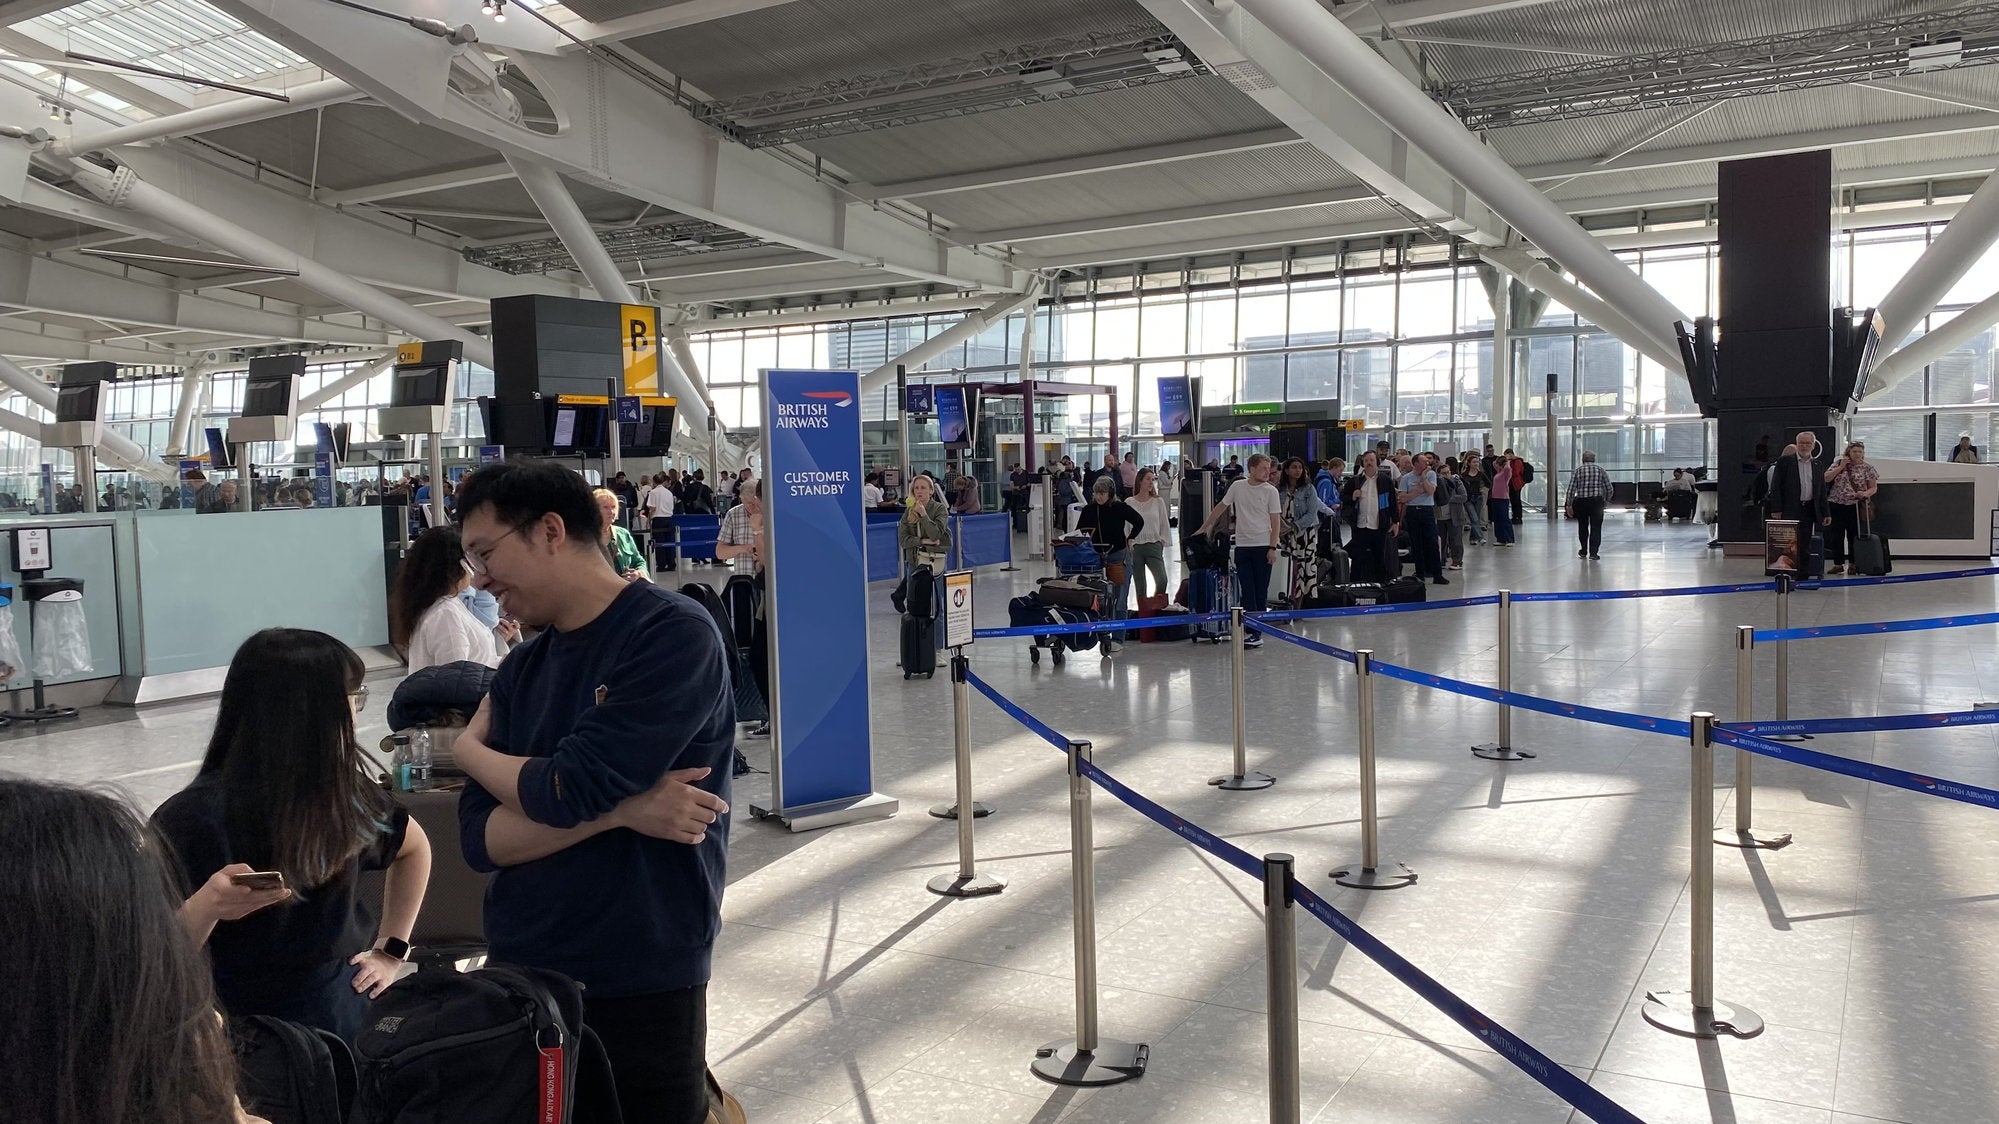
x=396 y=947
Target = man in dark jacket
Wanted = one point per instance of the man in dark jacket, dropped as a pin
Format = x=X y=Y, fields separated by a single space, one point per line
x=1797 y=487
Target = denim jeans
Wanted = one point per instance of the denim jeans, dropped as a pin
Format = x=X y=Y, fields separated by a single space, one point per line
x=1252 y=564
x=1475 y=516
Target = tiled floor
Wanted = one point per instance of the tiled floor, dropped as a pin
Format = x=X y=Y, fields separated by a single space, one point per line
x=1552 y=892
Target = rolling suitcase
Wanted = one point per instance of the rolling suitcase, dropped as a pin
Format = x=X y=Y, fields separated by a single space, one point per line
x=1208 y=592
x=919 y=646
x=743 y=595
x=1170 y=629
x=1871 y=554
x=1403 y=590
x=1150 y=607
x=1338 y=567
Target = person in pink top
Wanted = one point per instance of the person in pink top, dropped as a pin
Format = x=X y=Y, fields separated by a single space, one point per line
x=1499 y=498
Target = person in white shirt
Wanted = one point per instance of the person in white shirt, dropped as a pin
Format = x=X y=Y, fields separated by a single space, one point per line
x=1148 y=547
x=659 y=502
x=427 y=621
x=1257 y=509
x=871 y=493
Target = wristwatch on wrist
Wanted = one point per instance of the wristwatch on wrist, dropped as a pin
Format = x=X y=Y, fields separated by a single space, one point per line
x=395 y=947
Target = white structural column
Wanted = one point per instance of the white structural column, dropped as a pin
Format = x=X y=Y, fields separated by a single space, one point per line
x=1934 y=344
x=356 y=377
x=1347 y=60
x=123 y=188
x=239 y=111
x=1963 y=241
x=193 y=379
x=1536 y=274
x=950 y=337
x=117 y=450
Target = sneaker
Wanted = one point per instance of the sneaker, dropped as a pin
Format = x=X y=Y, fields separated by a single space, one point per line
x=1253 y=640
x=760 y=730
x=1582 y=554
x=1457 y=565
x=1596 y=557
x=1440 y=580
x=1835 y=569
x=1112 y=648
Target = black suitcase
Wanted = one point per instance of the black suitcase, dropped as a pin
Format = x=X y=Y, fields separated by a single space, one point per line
x=1084 y=591
x=743 y=595
x=1208 y=592
x=1871 y=554
x=1339 y=596
x=1403 y=590
x=665 y=555
x=919 y=645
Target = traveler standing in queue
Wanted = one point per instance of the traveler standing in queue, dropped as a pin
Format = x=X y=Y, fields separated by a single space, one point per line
x=1589 y=491
x=1257 y=509
x=598 y=786
x=1849 y=484
x=1326 y=482
x=742 y=536
x=113 y=1016
x=625 y=556
x=1516 y=490
x=429 y=621
x=1451 y=514
x=1304 y=509
x=1797 y=486
x=1417 y=492
x=1369 y=499
x=924 y=531
x=286 y=787
x=1148 y=546
x=965 y=501
x=1499 y=499
x=1111 y=523
x=1476 y=480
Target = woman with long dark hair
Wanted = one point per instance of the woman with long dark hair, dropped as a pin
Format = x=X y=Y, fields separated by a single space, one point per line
x=286 y=787
x=111 y=1019
x=428 y=622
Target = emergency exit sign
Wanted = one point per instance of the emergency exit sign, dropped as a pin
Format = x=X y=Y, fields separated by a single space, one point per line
x=1242 y=408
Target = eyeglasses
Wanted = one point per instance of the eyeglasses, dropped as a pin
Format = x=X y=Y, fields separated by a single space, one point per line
x=359 y=697
x=477 y=561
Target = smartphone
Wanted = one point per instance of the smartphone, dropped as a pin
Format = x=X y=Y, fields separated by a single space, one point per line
x=260 y=879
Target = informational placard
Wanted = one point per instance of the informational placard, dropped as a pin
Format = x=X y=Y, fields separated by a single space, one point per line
x=958 y=609
x=1783 y=549
x=917 y=398
x=188 y=495
x=31 y=550
x=641 y=349
x=48 y=489
x=1176 y=406
x=492 y=454
x=822 y=760
x=630 y=409
x=322 y=480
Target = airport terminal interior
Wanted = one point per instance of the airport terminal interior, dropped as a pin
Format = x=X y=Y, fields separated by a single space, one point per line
x=276 y=276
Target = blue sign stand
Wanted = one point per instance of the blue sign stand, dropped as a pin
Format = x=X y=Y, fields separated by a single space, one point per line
x=322 y=479
x=188 y=496
x=48 y=489
x=822 y=751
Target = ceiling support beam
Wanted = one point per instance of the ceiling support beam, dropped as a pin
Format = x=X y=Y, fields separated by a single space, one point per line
x=1415 y=13
x=1963 y=241
x=1934 y=344
x=1140 y=157
x=1189 y=245
x=1266 y=63
x=1110 y=224
x=221 y=115
x=359 y=376
x=1536 y=274
x=193 y=382
x=123 y=188
x=1781 y=144
x=687 y=13
x=1371 y=80
x=972 y=325
x=419 y=185
x=637 y=143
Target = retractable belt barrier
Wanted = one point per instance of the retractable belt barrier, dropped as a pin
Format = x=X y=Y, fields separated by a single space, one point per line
x=1571 y=1089
x=1867 y=771
x=1857 y=725
x=1872 y=628
x=1618 y=594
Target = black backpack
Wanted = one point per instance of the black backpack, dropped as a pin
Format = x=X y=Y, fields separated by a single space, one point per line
x=743 y=596
x=292 y=1074
x=1526 y=471
x=499 y=1045
x=916 y=595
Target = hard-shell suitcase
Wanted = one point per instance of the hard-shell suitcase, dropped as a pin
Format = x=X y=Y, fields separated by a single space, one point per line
x=919 y=646
x=1338 y=567
x=1150 y=607
x=1208 y=592
x=1403 y=590
x=743 y=595
x=1871 y=553
x=1177 y=630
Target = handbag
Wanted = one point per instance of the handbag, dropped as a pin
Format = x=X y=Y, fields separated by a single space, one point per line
x=1114 y=572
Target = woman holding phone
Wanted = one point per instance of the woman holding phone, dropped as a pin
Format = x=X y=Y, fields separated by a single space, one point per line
x=286 y=789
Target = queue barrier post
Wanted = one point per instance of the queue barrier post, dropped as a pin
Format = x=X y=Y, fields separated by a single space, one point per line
x=1745 y=710
x=1784 y=584
x=1086 y=1060
x=1502 y=749
x=1242 y=780
x=1372 y=872
x=1280 y=948
x=966 y=882
x=1696 y=1013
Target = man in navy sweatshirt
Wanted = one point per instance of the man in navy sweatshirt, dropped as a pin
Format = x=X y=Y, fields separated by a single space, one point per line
x=599 y=781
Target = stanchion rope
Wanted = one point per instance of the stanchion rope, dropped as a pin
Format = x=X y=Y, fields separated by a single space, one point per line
x=1867 y=771
x=1872 y=628
x=1862 y=724
x=1308 y=645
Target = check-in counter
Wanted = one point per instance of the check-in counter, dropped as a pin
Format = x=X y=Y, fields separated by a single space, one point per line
x=1931 y=509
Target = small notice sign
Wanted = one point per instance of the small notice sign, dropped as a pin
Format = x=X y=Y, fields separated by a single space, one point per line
x=958 y=609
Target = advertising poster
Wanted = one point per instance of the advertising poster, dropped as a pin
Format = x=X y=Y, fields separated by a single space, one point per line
x=322 y=480
x=954 y=423
x=1176 y=406
x=1783 y=552
x=817 y=608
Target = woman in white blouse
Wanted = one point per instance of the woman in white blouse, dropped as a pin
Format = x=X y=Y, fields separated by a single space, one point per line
x=1148 y=547
x=427 y=621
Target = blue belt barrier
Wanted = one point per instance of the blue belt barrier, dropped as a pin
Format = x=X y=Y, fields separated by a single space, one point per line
x=1641 y=722
x=1871 y=628
x=1879 y=774
x=1903 y=579
x=1309 y=645
x=1577 y=1092
x=1128 y=624
x=1505 y=1043
x=1939 y=721
x=1368 y=610
x=1614 y=594
x=1040 y=728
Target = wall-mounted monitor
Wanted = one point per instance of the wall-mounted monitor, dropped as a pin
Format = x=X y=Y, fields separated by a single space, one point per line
x=1176 y=406
x=421 y=385
x=564 y=435
x=78 y=402
x=269 y=396
x=954 y=416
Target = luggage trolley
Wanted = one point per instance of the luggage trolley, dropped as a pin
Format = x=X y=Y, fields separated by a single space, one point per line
x=1078 y=594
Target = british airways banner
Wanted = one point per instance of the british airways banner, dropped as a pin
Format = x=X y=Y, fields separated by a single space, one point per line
x=817 y=612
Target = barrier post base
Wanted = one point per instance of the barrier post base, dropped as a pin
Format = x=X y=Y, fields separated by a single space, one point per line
x=1493 y=751
x=978 y=885
x=1675 y=1013
x=1247 y=782
x=1111 y=1062
x=980 y=810
x=1752 y=840
x=1384 y=876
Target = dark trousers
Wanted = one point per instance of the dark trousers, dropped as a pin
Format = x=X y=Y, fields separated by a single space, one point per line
x=1252 y=567
x=1421 y=524
x=1589 y=523
x=658 y=1048
x=1365 y=554
x=1844 y=534
x=1515 y=503
x=1502 y=520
